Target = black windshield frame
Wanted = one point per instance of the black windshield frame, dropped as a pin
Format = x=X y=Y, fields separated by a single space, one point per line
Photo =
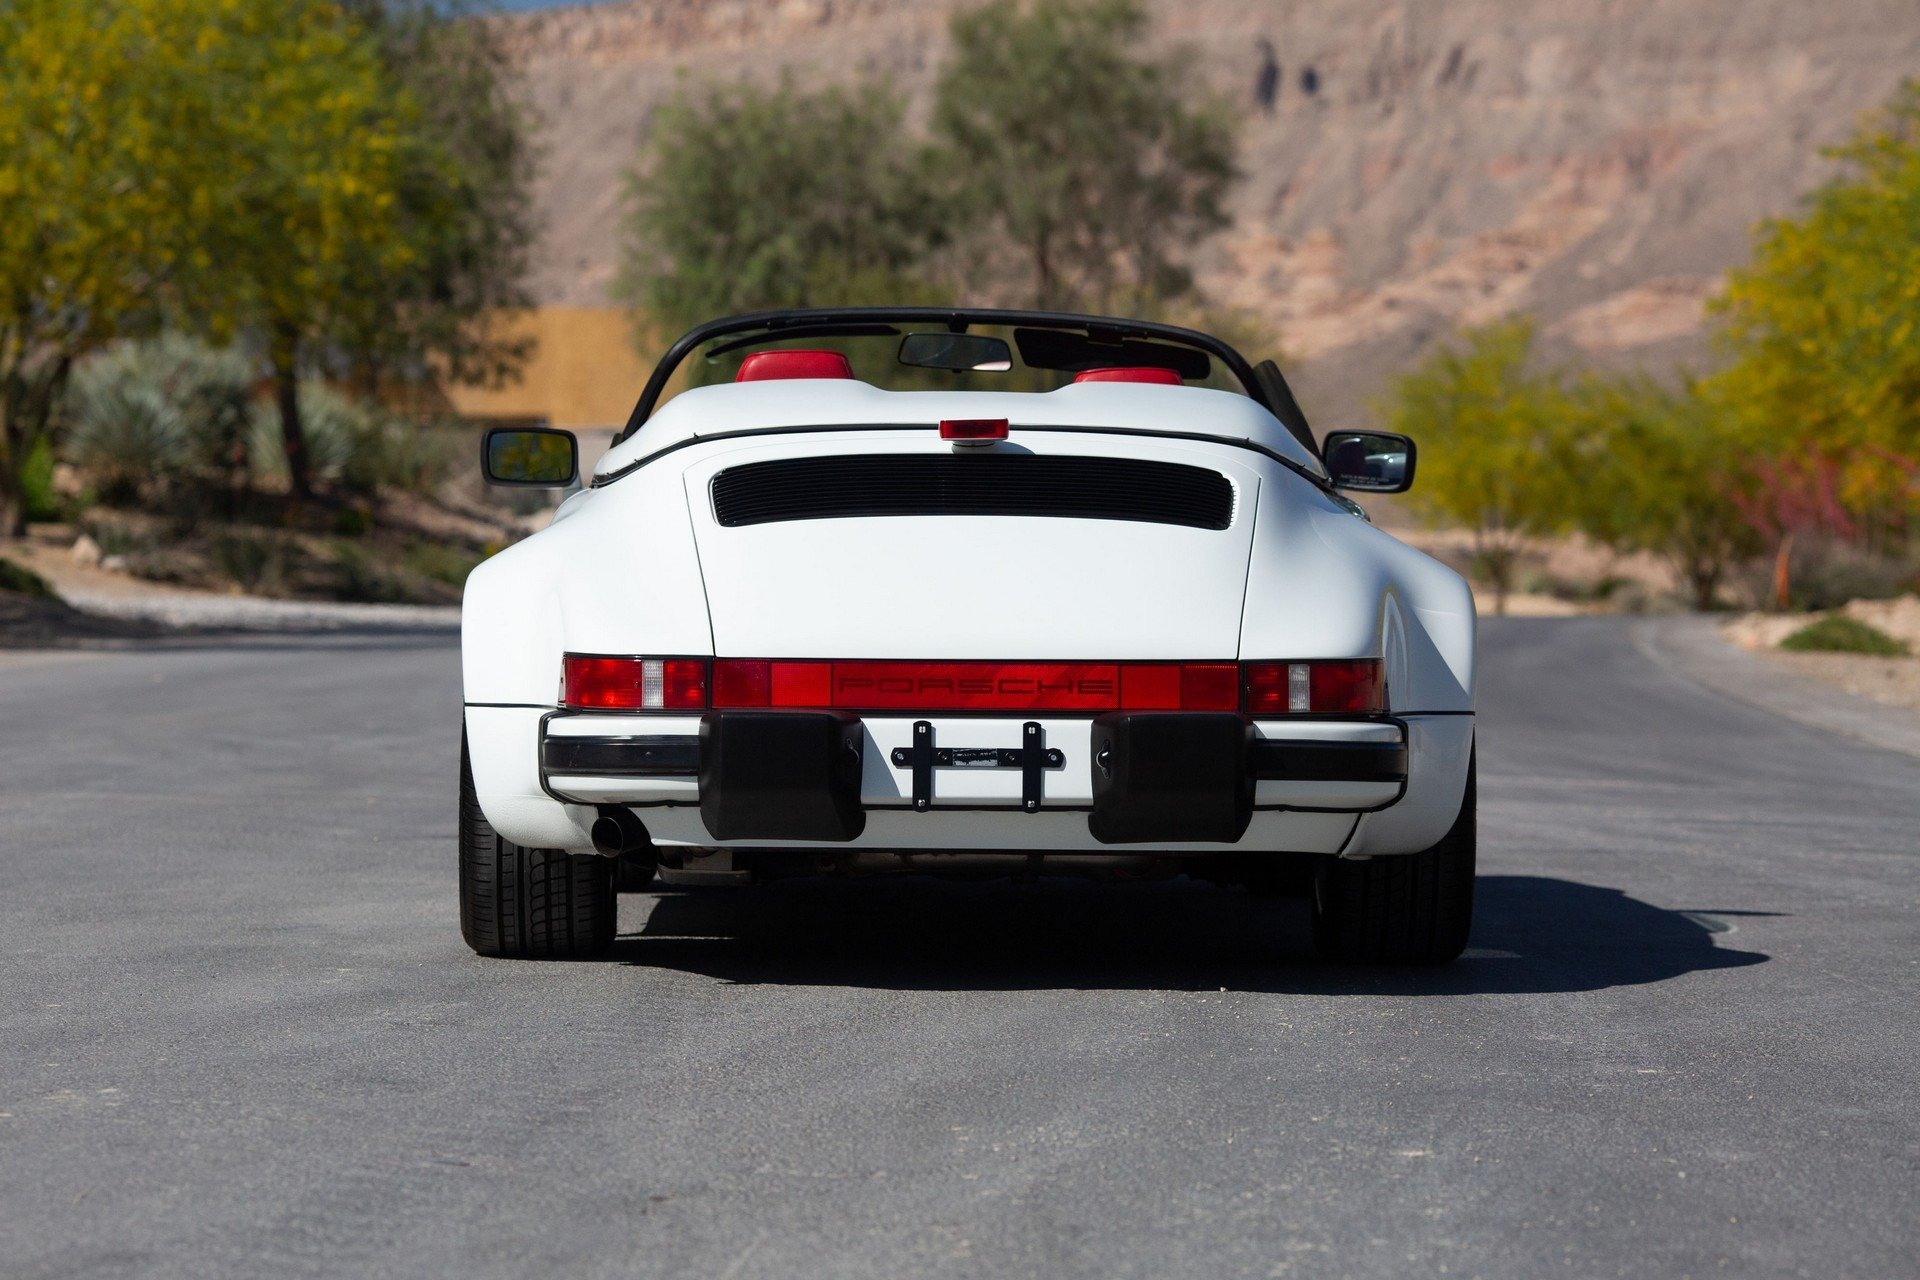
x=797 y=322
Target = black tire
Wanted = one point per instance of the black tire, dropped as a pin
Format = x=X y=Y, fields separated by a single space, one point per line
x=1408 y=909
x=531 y=904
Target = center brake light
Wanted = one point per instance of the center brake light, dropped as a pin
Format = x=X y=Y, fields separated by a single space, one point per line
x=974 y=430
x=1342 y=686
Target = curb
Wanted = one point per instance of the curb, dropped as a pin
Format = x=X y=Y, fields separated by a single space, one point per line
x=1692 y=647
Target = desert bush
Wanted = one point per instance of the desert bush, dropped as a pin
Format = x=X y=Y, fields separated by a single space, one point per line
x=129 y=437
x=24 y=581
x=441 y=562
x=253 y=562
x=358 y=577
x=146 y=414
x=37 y=495
x=114 y=538
x=356 y=447
x=406 y=455
x=1838 y=634
x=335 y=426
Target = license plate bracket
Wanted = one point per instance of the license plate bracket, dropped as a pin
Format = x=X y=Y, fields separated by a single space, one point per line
x=1032 y=757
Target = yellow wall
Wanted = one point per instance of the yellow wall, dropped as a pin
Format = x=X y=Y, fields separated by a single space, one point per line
x=584 y=371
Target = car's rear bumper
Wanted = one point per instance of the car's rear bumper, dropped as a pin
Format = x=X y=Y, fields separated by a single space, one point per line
x=1176 y=782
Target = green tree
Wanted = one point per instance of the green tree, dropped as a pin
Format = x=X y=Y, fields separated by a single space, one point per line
x=1824 y=323
x=237 y=164
x=463 y=202
x=1493 y=440
x=1080 y=169
x=103 y=174
x=317 y=136
x=1662 y=471
x=748 y=198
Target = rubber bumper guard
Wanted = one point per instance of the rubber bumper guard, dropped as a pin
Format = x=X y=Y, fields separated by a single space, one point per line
x=781 y=775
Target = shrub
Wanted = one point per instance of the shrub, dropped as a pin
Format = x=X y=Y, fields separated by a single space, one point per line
x=415 y=457
x=357 y=447
x=23 y=581
x=129 y=436
x=358 y=577
x=152 y=411
x=1837 y=634
x=36 y=485
x=332 y=423
x=442 y=563
x=250 y=561
x=114 y=538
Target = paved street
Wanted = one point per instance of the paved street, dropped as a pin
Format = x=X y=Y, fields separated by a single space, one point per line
x=240 y=1035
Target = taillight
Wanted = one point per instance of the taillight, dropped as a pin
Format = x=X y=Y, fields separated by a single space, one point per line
x=634 y=684
x=756 y=682
x=976 y=686
x=1342 y=686
x=1180 y=686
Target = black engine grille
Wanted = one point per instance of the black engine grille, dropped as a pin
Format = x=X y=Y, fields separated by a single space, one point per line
x=932 y=484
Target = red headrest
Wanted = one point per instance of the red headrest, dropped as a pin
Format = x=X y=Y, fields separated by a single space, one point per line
x=763 y=366
x=1137 y=373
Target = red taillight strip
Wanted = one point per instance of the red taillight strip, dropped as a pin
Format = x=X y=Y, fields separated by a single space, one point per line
x=1341 y=686
x=1337 y=687
x=599 y=683
x=867 y=685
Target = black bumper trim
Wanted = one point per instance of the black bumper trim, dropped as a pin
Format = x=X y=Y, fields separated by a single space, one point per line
x=643 y=756
x=1313 y=760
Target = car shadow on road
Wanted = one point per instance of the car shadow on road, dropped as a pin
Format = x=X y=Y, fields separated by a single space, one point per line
x=1531 y=934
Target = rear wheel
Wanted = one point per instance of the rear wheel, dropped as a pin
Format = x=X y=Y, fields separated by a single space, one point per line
x=1406 y=909
x=528 y=903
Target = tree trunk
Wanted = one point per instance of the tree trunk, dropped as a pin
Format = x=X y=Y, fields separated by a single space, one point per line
x=13 y=509
x=26 y=418
x=1043 y=272
x=1783 y=574
x=1705 y=580
x=286 y=394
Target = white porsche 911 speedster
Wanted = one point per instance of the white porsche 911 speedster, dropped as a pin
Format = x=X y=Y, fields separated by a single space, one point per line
x=965 y=592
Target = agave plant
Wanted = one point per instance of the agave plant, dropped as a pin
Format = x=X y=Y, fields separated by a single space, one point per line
x=150 y=411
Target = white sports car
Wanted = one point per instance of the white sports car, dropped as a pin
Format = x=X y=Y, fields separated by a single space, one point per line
x=965 y=592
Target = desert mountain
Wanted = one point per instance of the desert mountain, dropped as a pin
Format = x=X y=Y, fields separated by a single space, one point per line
x=1598 y=163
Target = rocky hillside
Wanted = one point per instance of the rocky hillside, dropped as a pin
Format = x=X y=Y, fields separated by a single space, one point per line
x=1596 y=162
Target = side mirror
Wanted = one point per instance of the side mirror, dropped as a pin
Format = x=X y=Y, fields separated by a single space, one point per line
x=529 y=457
x=1369 y=461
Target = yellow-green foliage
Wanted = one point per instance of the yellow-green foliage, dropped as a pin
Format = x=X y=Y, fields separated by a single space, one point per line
x=1825 y=322
x=1493 y=444
x=236 y=161
x=1662 y=471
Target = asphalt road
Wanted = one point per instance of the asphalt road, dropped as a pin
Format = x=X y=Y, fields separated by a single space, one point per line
x=240 y=1036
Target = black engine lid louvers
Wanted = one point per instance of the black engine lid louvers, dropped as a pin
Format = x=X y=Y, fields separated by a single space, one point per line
x=930 y=484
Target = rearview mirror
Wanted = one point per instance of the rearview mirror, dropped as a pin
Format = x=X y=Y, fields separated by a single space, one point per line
x=1369 y=461
x=530 y=457
x=961 y=352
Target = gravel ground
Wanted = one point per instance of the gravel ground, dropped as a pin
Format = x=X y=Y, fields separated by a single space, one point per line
x=250 y=613
x=1892 y=682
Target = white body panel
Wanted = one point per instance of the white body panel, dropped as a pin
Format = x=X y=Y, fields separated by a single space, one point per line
x=1006 y=587
x=640 y=565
